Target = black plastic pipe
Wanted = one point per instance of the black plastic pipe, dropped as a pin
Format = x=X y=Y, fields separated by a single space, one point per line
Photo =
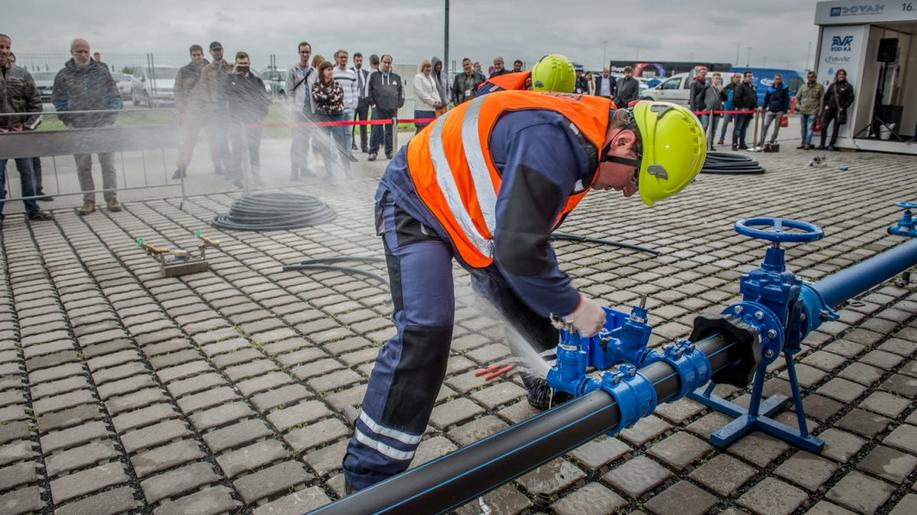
x=839 y=287
x=472 y=471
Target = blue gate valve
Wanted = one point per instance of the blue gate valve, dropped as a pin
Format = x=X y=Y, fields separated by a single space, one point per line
x=782 y=310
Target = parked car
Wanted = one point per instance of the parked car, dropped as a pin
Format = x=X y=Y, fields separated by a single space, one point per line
x=44 y=81
x=274 y=81
x=124 y=82
x=675 y=89
x=153 y=86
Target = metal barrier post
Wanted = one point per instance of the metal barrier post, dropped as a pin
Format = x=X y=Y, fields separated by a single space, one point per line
x=56 y=176
x=754 y=146
x=394 y=135
x=246 y=164
x=710 y=128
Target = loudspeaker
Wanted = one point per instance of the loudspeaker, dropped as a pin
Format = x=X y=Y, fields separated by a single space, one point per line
x=888 y=50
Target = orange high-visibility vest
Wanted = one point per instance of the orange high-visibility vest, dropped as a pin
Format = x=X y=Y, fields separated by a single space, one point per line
x=508 y=81
x=453 y=172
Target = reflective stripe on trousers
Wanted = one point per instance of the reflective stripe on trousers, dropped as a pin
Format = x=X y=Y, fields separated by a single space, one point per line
x=410 y=367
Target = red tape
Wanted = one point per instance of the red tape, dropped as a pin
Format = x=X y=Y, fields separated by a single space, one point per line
x=731 y=111
x=387 y=121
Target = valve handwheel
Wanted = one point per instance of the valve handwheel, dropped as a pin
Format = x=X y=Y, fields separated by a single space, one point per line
x=777 y=229
x=907 y=205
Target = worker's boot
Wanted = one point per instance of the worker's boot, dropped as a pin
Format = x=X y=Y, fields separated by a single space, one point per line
x=88 y=207
x=539 y=393
x=113 y=205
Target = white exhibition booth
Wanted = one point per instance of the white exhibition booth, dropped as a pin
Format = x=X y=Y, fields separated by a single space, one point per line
x=875 y=42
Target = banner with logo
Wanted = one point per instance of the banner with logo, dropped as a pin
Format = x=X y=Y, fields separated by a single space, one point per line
x=842 y=47
x=842 y=12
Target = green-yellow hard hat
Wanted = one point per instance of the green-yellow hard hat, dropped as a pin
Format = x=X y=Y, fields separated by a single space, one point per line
x=554 y=72
x=674 y=148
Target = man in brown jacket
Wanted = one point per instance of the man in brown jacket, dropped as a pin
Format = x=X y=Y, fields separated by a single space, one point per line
x=211 y=103
x=194 y=115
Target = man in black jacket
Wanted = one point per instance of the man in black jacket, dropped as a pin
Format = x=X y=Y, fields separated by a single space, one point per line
x=499 y=68
x=465 y=83
x=386 y=92
x=745 y=98
x=698 y=85
x=18 y=94
x=628 y=88
x=247 y=103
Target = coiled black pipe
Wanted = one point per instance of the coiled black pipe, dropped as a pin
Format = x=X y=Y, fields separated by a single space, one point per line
x=727 y=163
x=273 y=211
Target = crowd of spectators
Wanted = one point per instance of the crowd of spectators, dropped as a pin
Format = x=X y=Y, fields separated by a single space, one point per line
x=816 y=105
x=227 y=100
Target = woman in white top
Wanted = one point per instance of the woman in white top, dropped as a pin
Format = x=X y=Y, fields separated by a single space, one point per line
x=428 y=100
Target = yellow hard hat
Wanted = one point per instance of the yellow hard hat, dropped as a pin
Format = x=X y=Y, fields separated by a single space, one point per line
x=554 y=72
x=674 y=148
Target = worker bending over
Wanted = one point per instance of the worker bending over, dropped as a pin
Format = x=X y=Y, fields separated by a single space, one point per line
x=487 y=183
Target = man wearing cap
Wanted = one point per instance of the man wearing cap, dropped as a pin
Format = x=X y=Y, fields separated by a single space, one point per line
x=213 y=104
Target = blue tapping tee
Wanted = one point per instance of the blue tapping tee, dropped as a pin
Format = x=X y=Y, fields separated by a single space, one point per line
x=623 y=340
x=569 y=375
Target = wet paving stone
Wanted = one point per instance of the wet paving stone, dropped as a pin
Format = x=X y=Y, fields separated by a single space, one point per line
x=213 y=390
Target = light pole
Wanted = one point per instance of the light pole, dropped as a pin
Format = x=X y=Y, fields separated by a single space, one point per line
x=605 y=53
x=747 y=56
x=808 y=55
x=446 y=45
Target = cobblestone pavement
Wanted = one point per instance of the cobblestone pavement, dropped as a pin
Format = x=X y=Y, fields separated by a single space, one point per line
x=232 y=390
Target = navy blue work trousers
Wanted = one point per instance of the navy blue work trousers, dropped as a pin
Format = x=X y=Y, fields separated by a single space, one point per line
x=410 y=367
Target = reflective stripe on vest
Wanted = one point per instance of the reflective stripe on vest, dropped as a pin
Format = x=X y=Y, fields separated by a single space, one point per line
x=446 y=181
x=480 y=174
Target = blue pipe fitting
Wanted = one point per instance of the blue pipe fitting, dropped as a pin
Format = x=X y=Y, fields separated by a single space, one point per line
x=692 y=365
x=766 y=324
x=633 y=392
x=815 y=309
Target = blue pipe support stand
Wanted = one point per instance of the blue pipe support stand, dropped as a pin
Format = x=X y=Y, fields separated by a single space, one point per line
x=907 y=226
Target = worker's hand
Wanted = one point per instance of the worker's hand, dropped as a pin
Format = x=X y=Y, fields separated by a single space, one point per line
x=588 y=318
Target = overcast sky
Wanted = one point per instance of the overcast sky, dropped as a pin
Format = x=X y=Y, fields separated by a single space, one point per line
x=778 y=31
